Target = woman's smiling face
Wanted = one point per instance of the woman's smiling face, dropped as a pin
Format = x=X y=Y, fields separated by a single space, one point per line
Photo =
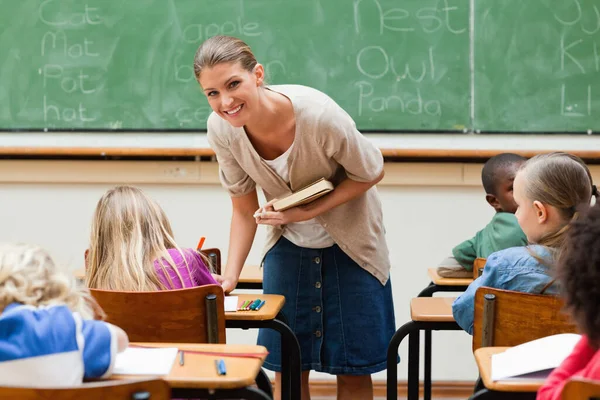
x=232 y=91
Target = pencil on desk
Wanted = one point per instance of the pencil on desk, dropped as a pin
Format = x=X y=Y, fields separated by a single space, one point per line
x=220 y=364
x=180 y=357
x=262 y=303
x=242 y=307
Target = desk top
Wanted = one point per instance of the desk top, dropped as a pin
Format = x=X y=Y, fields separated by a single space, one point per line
x=251 y=274
x=438 y=280
x=274 y=303
x=199 y=371
x=432 y=309
x=483 y=357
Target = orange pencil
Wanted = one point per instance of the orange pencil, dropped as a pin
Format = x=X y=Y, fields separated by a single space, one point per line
x=201 y=243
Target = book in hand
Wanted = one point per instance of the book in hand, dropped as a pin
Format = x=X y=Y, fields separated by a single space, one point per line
x=305 y=195
x=533 y=360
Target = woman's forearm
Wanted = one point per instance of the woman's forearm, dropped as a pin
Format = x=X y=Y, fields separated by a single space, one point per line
x=345 y=191
x=241 y=234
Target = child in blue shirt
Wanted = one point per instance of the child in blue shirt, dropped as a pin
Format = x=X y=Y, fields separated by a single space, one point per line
x=48 y=337
x=550 y=190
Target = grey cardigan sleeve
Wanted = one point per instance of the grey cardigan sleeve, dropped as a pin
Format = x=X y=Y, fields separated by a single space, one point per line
x=233 y=177
x=341 y=140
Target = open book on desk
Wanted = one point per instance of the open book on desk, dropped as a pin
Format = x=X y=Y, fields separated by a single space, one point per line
x=305 y=195
x=533 y=360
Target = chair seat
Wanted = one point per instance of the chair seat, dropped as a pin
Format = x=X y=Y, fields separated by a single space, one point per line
x=432 y=309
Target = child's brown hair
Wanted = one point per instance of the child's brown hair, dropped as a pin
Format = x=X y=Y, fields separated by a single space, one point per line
x=579 y=273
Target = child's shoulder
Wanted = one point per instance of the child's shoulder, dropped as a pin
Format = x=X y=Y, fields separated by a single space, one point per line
x=504 y=221
x=190 y=255
x=523 y=256
x=28 y=329
x=17 y=311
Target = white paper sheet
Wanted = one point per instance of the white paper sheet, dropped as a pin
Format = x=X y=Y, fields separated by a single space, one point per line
x=145 y=361
x=231 y=303
x=535 y=359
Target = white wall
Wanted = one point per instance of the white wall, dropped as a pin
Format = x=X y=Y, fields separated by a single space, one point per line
x=44 y=202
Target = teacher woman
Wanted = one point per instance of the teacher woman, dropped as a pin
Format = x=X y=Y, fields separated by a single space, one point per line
x=328 y=258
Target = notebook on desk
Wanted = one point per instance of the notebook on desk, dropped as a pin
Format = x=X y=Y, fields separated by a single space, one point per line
x=533 y=360
x=305 y=195
x=145 y=361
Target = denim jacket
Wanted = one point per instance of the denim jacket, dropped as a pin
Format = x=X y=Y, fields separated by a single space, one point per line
x=511 y=269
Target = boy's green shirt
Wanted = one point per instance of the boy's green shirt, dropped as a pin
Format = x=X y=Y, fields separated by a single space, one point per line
x=502 y=232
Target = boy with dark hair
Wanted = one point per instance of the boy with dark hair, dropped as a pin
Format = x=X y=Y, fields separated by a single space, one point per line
x=502 y=231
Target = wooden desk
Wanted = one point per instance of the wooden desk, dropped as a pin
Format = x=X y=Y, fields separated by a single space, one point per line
x=251 y=277
x=198 y=375
x=427 y=314
x=438 y=280
x=273 y=305
x=435 y=309
x=270 y=317
x=437 y=284
x=483 y=357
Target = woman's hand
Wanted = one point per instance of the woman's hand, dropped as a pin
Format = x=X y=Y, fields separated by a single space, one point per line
x=266 y=215
x=226 y=282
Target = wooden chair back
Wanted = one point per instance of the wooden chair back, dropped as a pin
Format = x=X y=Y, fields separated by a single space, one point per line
x=154 y=389
x=581 y=389
x=214 y=256
x=193 y=315
x=478 y=265
x=509 y=318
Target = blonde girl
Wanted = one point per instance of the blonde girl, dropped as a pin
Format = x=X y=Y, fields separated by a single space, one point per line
x=46 y=322
x=132 y=247
x=550 y=191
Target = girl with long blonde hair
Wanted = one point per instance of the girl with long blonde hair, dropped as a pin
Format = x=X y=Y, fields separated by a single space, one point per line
x=551 y=190
x=132 y=247
x=45 y=321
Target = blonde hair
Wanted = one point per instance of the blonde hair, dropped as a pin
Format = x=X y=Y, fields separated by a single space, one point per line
x=223 y=49
x=563 y=181
x=29 y=276
x=130 y=232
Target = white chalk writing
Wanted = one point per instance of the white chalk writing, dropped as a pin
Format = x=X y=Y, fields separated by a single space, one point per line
x=64 y=77
x=197 y=33
x=427 y=19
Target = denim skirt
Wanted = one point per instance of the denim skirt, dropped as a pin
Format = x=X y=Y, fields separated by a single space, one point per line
x=342 y=316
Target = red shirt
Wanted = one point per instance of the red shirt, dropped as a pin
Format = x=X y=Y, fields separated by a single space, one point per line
x=583 y=362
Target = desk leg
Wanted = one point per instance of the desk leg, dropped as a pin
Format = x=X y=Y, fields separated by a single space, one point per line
x=392 y=355
x=427 y=367
x=291 y=363
x=413 y=365
x=264 y=383
x=429 y=290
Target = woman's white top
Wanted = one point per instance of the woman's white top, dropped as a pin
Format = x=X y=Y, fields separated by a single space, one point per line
x=309 y=234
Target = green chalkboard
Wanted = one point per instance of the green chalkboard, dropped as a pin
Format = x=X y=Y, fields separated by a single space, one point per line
x=126 y=64
x=537 y=65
